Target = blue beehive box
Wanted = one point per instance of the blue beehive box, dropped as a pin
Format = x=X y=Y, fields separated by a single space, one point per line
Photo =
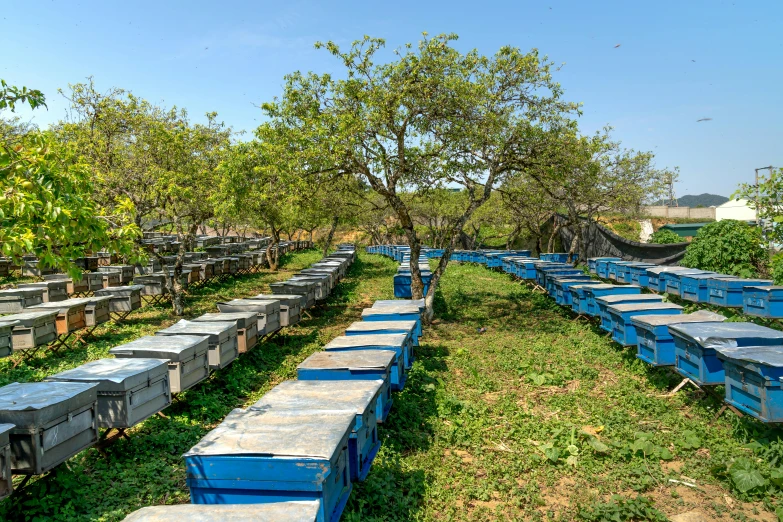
x=592 y=262
x=605 y=302
x=357 y=397
x=728 y=292
x=695 y=345
x=671 y=282
x=383 y=303
x=294 y=511
x=394 y=342
x=579 y=296
x=752 y=379
x=561 y=285
x=394 y=313
x=551 y=279
x=763 y=301
x=543 y=272
x=602 y=267
x=543 y=266
x=654 y=281
x=638 y=274
x=255 y=457
x=623 y=331
x=595 y=291
x=526 y=269
x=385 y=327
x=654 y=343
x=367 y=365
x=558 y=257
x=615 y=267
x=695 y=287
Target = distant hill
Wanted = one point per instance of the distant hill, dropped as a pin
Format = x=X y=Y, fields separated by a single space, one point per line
x=705 y=200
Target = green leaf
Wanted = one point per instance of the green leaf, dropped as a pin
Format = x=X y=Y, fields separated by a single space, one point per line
x=745 y=476
x=597 y=445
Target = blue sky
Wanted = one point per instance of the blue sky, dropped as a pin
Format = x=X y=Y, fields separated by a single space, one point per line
x=677 y=62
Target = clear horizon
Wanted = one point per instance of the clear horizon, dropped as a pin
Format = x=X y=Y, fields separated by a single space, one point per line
x=650 y=71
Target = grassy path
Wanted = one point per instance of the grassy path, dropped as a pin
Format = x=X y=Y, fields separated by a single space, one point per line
x=544 y=418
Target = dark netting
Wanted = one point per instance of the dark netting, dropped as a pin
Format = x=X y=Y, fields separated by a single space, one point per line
x=602 y=242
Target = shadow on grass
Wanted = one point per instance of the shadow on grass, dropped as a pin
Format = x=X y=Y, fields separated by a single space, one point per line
x=392 y=492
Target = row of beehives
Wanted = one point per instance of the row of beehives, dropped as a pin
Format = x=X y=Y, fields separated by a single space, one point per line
x=402 y=254
x=45 y=317
x=745 y=358
x=295 y=454
x=32 y=267
x=43 y=424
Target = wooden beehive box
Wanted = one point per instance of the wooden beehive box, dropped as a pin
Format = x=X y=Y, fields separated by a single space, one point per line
x=223 y=346
x=70 y=314
x=34 y=328
x=54 y=290
x=16 y=299
x=123 y=298
x=246 y=323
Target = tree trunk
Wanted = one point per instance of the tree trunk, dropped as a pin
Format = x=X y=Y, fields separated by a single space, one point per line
x=555 y=229
x=270 y=259
x=330 y=235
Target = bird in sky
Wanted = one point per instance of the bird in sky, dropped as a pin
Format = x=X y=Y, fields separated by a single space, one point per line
x=703 y=119
x=616 y=46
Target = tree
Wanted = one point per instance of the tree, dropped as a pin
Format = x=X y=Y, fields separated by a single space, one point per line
x=728 y=247
x=152 y=157
x=46 y=204
x=531 y=207
x=431 y=118
x=591 y=175
x=767 y=199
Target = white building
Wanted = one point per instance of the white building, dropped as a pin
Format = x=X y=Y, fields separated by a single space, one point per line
x=735 y=209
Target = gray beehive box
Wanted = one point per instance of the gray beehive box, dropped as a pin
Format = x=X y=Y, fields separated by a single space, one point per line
x=223 y=347
x=303 y=288
x=54 y=290
x=70 y=314
x=129 y=390
x=16 y=299
x=123 y=298
x=52 y=422
x=290 y=306
x=268 y=312
x=126 y=272
x=154 y=284
x=6 y=484
x=247 y=326
x=33 y=328
x=6 y=332
x=187 y=356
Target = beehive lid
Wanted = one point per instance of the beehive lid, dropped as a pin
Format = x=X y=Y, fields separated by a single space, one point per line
x=115 y=374
x=708 y=275
x=292 y=511
x=7 y=326
x=351 y=360
x=353 y=396
x=374 y=326
x=641 y=307
x=294 y=283
x=766 y=355
x=385 y=303
x=120 y=290
x=33 y=317
x=241 y=319
x=308 y=435
x=660 y=269
x=263 y=306
x=61 y=306
x=34 y=403
x=726 y=335
x=149 y=278
x=396 y=309
x=606 y=286
x=367 y=341
x=13 y=294
x=767 y=289
x=571 y=279
x=52 y=283
x=614 y=299
x=701 y=316
x=174 y=348
x=217 y=332
x=286 y=299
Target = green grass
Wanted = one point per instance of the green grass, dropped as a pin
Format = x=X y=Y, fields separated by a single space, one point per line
x=540 y=418
x=544 y=418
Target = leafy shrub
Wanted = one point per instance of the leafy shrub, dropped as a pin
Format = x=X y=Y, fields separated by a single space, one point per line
x=729 y=247
x=777 y=268
x=664 y=236
x=622 y=509
x=630 y=230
